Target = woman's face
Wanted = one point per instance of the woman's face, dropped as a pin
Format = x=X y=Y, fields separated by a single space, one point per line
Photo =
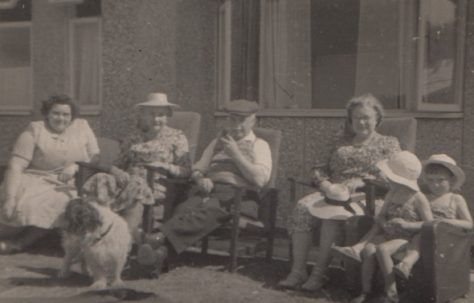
x=364 y=120
x=153 y=118
x=59 y=117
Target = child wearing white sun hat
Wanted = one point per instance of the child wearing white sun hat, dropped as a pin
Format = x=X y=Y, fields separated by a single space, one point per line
x=441 y=176
x=400 y=219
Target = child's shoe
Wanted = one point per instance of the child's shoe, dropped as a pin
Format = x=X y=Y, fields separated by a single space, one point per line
x=294 y=280
x=402 y=270
x=347 y=252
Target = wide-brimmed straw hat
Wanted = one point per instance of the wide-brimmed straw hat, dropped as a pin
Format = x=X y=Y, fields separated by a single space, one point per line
x=336 y=204
x=449 y=163
x=403 y=168
x=158 y=100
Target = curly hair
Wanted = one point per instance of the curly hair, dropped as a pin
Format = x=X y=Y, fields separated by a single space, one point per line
x=367 y=100
x=48 y=104
x=81 y=217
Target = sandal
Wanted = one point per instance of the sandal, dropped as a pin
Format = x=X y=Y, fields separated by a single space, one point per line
x=402 y=270
x=8 y=248
x=347 y=252
x=294 y=280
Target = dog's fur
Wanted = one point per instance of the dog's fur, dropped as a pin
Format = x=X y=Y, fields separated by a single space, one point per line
x=98 y=238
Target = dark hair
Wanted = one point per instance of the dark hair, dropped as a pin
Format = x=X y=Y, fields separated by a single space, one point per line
x=436 y=168
x=367 y=100
x=48 y=104
x=81 y=217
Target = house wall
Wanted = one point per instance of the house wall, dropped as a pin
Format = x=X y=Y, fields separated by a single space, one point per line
x=170 y=46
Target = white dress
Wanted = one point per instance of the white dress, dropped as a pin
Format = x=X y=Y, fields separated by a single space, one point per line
x=41 y=198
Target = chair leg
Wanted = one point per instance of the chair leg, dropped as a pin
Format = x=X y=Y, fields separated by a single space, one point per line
x=204 y=245
x=271 y=232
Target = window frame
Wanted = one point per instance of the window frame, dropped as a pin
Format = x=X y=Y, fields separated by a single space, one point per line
x=29 y=107
x=458 y=76
x=95 y=109
x=410 y=86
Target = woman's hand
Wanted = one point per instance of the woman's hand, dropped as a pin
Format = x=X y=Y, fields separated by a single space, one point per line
x=205 y=185
x=68 y=173
x=121 y=176
x=317 y=177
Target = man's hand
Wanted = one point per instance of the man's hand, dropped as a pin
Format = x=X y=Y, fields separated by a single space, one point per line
x=121 y=176
x=230 y=146
x=9 y=207
x=68 y=173
x=205 y=185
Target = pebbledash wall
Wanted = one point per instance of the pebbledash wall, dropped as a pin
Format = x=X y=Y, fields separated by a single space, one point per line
x=170 y=46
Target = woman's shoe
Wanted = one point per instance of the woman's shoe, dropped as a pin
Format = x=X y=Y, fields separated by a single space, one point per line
x=347 y=252
x=402 y=270
x=293 y=281
x=315 y=282
x=8 y=247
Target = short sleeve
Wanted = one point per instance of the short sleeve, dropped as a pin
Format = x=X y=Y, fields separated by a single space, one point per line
x=25 y=144
x=91 y=140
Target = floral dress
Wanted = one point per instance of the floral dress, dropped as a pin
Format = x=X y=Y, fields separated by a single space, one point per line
x=349 y=164
x=170 y=146
x=41 y=198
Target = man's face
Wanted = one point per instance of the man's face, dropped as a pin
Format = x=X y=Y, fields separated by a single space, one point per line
x=240 y=126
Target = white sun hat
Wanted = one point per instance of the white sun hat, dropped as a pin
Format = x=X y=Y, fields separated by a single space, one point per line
x=158 y=100
x=449 y=163
x=336 y=204
x=403 y=168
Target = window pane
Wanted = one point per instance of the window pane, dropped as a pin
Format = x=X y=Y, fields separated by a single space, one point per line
x=86 y=62
x=15 y=67
x=20 y=12
x=318 y=53
x=439 y=64
x=88 y=8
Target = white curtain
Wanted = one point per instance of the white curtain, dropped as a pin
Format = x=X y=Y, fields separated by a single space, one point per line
x=285 y=54
x=87 y=63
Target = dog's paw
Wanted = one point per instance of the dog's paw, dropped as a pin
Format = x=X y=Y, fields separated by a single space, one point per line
x=99 y=284
x=64 y=273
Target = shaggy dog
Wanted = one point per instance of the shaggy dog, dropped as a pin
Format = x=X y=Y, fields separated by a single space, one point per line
x=98 y=238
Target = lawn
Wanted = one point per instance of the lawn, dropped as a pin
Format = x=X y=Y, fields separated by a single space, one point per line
x=31 y=277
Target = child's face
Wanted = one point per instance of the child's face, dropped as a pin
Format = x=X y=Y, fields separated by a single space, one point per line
x=438 y=183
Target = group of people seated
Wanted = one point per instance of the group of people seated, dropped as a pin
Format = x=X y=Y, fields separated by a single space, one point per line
x=39 y=183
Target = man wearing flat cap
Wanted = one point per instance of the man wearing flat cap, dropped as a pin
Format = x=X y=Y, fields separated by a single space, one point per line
x=235 y=157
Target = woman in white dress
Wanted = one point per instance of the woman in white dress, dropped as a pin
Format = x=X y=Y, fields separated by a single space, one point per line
x=39 y=181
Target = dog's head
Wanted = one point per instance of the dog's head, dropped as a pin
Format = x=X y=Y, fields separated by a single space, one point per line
x=81 y=217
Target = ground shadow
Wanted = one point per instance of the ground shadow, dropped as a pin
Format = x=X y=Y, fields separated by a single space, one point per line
x=50 y=278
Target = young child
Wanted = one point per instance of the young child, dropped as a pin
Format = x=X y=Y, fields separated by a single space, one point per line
x=401 y=217
x=441 y=176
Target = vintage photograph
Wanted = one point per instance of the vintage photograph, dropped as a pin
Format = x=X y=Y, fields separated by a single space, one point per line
x=270 y=151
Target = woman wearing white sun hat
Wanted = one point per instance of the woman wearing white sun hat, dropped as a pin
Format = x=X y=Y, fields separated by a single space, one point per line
x=153 y=142
x=400 y=219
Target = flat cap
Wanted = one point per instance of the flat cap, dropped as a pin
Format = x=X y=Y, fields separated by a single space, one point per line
x=241 y=107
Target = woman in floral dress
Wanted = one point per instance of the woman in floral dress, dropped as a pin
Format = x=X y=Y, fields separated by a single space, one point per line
x=125 y=187
x=39 y=181
x=353 y=160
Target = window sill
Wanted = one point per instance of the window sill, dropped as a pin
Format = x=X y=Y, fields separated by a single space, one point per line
x=341 y=113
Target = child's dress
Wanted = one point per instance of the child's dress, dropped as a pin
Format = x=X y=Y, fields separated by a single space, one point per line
x=405 y=211
x=444 y=207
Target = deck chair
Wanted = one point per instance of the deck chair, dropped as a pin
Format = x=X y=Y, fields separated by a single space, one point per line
x=267 y=199
x=188 y=122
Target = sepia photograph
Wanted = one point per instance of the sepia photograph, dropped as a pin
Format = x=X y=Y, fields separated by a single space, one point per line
x=270 y=151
